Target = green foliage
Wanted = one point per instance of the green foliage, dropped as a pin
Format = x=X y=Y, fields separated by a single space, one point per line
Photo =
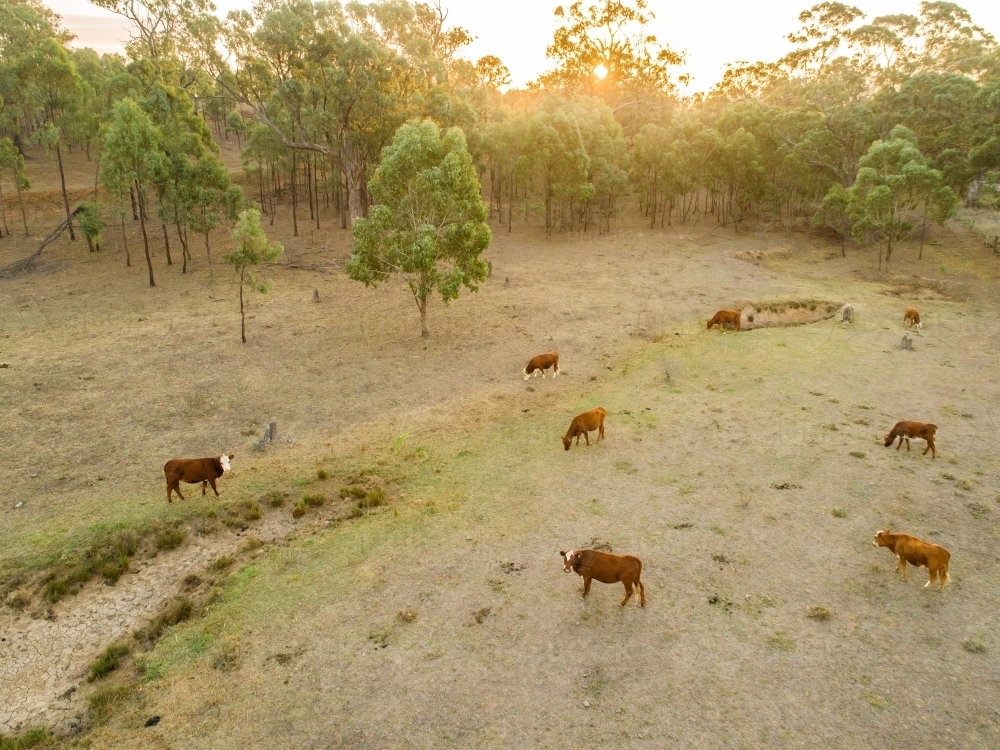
x=428 y=223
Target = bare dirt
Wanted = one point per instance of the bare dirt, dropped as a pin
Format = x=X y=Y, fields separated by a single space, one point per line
x=448 y=621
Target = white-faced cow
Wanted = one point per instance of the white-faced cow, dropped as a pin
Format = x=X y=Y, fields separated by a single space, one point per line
x=194 y=470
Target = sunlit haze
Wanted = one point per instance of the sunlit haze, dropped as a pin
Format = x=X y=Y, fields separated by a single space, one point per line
x=517 y=31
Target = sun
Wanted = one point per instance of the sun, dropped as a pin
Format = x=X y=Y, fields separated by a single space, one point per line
x=601 y=72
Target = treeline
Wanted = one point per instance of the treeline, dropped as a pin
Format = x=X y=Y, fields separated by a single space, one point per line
x=869 y=128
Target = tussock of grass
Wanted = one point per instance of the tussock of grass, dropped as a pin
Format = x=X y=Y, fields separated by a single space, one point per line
x=37 y=737
x=858 y=454
x=179 y=610
x=104 y=702
x=274 y=499
x=299 y=510
x=314 y=501
x=321 y=474
x=170 y=538
x=973 y=646
x=838 y=513
x=223 y=562
x=356 y=491
x=108 y=661
x=818 y=612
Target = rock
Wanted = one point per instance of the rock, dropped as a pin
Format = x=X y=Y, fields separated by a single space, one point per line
x=586 y=704
x=152 y=721
x=19 y=503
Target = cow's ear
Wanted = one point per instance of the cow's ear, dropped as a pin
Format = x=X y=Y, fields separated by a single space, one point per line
x=232 y=456
x=562 y=554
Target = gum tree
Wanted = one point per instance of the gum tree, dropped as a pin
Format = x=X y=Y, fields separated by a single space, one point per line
x=428 y=221
x=251 y=251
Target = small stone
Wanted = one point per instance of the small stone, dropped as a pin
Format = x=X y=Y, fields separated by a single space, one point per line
x=468 y=538
x=586 y=704
x=19 y=503
x=152 y=721
x=32 y=475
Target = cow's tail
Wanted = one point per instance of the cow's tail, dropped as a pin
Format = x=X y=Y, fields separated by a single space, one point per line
x=944 y=572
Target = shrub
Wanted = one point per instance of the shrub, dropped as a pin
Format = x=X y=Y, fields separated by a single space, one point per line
x=108 y=661
x=299 y=510
x=314 y=501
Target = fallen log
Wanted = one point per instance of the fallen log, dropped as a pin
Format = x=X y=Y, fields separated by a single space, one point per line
x=19 y=266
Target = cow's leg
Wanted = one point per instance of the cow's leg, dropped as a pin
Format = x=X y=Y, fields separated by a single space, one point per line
x=600 y=432
x=933 y=577
x=586 y=585
x=628 y=592
x=204 y=485
x=901 y=438
x=578 y=439
x=556 y=372
x=907 y=445
x=902 y=566
x=930 y=447
x=212 y=481
x=586 y=434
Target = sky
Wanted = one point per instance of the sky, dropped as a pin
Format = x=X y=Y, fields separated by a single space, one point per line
x=710 y=34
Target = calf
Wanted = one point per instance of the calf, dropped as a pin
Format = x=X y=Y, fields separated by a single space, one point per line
x=542 y=362
x=912 y=318
x=725 y=318
x=194 y=470
x=907 y=430
x=909 y=549
x=584 y=424
x=606 y=568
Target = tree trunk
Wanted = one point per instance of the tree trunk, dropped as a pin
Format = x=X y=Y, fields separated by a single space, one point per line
x=295 y=219
x=20 y=202
x=309 y=184
x=424 y=331
x=62 y=179
x=184 y=247
x=135 y=207
x=243 y=320
x=145 y=237
x=315 y=173
x=923 y=229
x=3 y=211
x=166 y=242
x=128 y=257
x=888 y=251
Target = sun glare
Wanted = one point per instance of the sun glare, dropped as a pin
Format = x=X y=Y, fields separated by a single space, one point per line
x=601 y=72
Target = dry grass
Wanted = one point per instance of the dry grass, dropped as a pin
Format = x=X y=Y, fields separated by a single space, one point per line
x=108 y=661
x=478 y=478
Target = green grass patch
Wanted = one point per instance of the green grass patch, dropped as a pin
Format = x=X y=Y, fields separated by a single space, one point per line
x=36 y=737
x=108 y=661
x=106 y=701
x=314 y=501
x=838 y=513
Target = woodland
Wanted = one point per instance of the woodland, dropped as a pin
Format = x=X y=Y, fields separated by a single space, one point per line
x=870 y=128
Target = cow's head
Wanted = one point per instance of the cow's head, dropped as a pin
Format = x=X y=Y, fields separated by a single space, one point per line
x=566 y=442
x=570 y=560
x=890 y=438
x=880 y=539
x=224 y=460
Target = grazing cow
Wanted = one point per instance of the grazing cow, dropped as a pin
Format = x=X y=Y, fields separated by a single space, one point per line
x=194 y=470
x=606 y=568
x=907 y=430
x=584 y=424
x=912 y=318
x=909 y=549
x=724 y=319
x=542 y=362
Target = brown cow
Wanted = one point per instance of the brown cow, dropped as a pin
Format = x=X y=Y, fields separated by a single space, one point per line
x=194 y=470
x=909 y=549
x=912 y=318
x=606 y=568
x=907 y=430
x=542 y=362
x=584 y=424
x=725 y=318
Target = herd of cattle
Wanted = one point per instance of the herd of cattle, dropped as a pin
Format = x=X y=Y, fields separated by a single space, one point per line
x=606 y=567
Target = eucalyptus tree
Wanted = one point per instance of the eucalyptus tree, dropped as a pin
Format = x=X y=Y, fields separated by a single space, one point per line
x=131 y=161
x=428 y=221
x=12 y=164
x=251 y=250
